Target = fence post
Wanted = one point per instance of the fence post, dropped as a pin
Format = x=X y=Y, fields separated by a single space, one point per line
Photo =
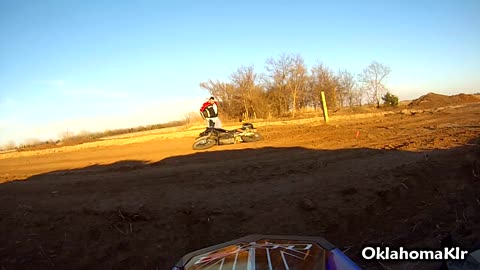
x=325 y=111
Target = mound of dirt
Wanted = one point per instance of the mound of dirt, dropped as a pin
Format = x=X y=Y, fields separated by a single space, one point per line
x=433 y=100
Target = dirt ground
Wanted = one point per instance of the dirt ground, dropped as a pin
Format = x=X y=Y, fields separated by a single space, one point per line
x=395 y=179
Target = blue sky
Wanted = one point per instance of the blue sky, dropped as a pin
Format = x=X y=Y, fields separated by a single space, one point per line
x=97 y=64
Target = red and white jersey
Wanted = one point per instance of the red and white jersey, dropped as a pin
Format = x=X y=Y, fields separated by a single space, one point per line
x=209 y=110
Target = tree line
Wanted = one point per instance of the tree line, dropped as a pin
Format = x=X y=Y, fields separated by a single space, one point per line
x=288 y=86
x=71 y=138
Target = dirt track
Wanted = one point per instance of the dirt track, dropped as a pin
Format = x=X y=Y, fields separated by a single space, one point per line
x=406 y=180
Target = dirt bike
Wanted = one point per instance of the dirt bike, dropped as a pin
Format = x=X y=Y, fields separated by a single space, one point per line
x=218 y=136
x=269 y=252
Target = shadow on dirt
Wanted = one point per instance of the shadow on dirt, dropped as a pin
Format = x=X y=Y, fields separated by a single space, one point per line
x=138 y=215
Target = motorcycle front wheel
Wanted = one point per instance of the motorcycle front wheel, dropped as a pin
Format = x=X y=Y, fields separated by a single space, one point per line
x=203 y=143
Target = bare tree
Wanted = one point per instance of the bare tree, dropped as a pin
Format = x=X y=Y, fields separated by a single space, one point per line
x=372 y=79
x=298 y=81
x=250 y=92
x=323 y=79
x=192 y=118
x=276 y=81
x=85 y=134
x=356 y=97
x=66 y=135
x=346 y=88
x=276 y=95
x=288 y=80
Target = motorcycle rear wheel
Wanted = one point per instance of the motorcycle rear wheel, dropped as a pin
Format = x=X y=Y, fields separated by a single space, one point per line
x=203 y=143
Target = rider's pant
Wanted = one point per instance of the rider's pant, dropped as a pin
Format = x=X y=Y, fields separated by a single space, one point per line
x=214 y=122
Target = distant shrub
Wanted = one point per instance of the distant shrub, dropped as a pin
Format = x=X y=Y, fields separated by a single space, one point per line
x=390 y=100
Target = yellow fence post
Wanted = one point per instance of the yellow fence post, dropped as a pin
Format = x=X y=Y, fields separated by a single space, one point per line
x=325 y=111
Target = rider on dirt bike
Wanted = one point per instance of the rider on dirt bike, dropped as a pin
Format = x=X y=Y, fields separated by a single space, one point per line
x=209 y=112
